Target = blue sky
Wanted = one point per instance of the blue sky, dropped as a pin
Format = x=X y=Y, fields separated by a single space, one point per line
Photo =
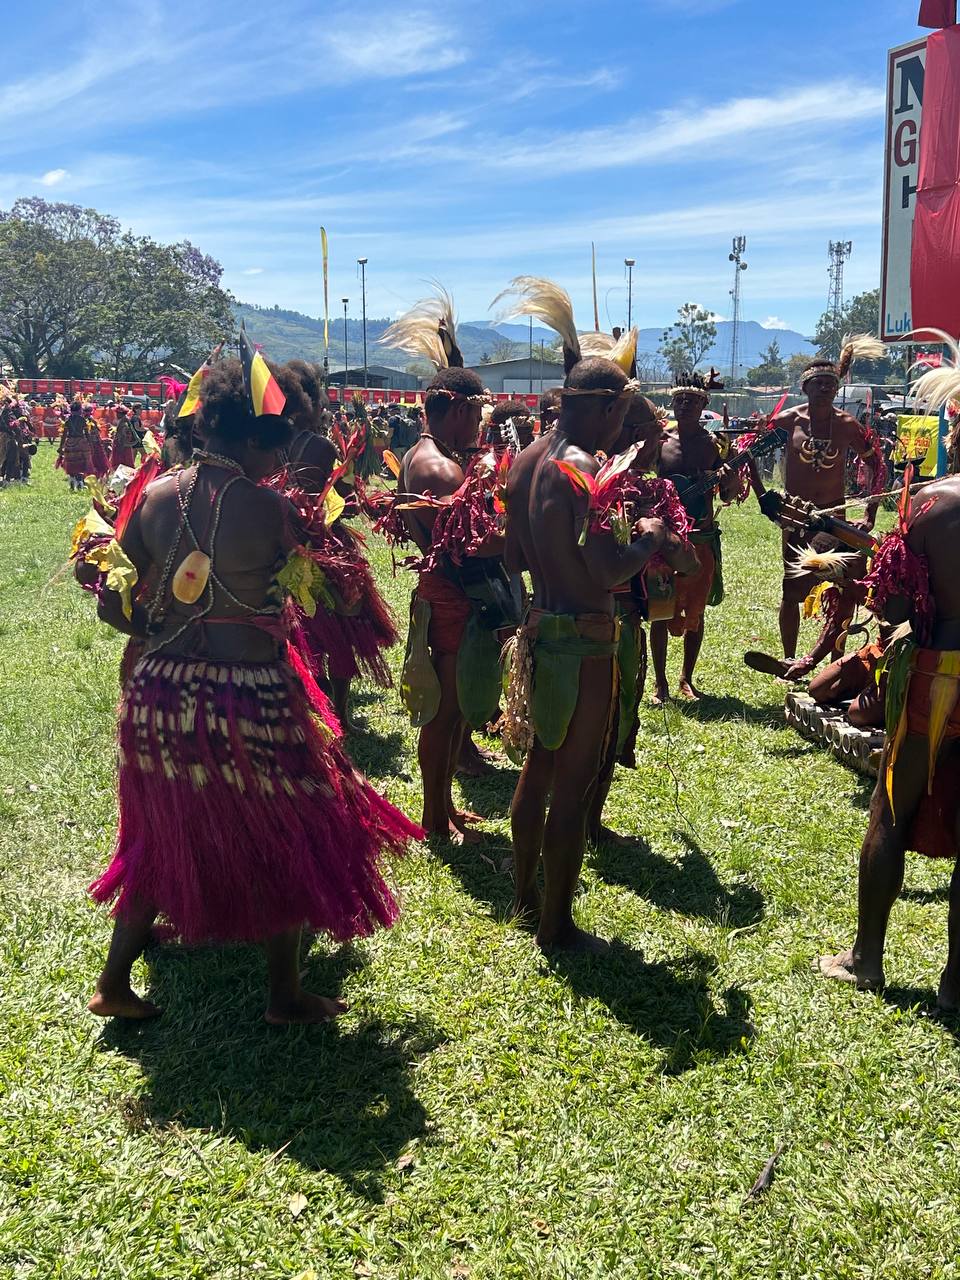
x=469 y=142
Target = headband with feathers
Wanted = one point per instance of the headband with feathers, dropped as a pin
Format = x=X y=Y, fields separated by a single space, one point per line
x=859 y=346
x=938 y=387
x=698 y=384
x=546 y=301
x=428 y=329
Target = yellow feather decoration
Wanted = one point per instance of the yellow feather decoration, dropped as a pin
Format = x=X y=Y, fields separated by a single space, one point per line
x=894 y=751
x=944 y=691
x=393 y=462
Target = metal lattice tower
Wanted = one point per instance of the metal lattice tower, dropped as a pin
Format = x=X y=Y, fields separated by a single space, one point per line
x=736 y=257
x=840 y=251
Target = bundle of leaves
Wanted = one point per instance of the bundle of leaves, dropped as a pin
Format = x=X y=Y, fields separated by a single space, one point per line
x=617 y=498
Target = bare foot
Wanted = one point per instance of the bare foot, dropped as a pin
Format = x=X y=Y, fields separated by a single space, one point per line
x=466 y=815
x=687 y=689
x=574 y=939
x=306 y=1008
x=607 y=835
x=123 y=1004
x=452 y=834
x=661 y=696
x=842 y=967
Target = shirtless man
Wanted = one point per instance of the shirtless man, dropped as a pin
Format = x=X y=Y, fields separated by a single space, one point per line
x=573 y=620
x=453 y=406
x=686 y=455
x=820 y=436
x=925 y=813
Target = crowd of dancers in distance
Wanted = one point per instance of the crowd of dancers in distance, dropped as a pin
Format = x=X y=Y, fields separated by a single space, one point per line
x=548 y=559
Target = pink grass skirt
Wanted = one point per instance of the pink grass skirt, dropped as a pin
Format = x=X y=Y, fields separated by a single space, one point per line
x=344 y=645
x=240 y=814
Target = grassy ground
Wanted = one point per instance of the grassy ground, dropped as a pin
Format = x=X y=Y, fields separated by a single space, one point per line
x=480 y=1111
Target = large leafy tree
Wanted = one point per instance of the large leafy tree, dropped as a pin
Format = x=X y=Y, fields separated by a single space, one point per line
x=688 y=339
x=859 y=315
x=163 y=304
x=79 y=298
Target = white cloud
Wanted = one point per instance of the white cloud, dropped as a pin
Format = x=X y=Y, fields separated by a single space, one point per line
x=389 y=44
x=680 y=131
x=53 y=177
x=774 y=322
x=252 y=271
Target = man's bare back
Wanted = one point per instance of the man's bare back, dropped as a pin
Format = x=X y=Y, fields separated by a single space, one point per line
x=935 y=534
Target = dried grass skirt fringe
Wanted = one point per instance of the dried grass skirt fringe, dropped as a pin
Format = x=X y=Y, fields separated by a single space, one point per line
x=240 y=814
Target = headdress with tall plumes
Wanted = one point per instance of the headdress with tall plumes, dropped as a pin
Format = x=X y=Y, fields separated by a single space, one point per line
x=859 y=346
x=939 y=386
x=534 y=296
x=698 y=384
x=622 y=351
x=428 y=329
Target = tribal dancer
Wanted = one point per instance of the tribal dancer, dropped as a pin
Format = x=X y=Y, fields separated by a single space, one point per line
x=350 y=633
x=447 y=508
x=578 y=546
x=99 y=462
x=241 y=818
x=73 y=454
x=916 y=803
x=126 y=440
x=686 y=457
x=820 y=436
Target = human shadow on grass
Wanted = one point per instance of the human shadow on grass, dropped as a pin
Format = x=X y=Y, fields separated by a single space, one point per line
x=690 y=886
x=480 y=869
x=713 y=707
x=378 y=755
x=667 y=1002
x=332 y=1097
x=922 y=1002
x=491 y=794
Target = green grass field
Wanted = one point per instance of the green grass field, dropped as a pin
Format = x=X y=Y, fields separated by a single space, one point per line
x=480 y=1112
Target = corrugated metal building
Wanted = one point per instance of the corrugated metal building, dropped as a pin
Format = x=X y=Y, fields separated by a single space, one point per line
x=520 y=377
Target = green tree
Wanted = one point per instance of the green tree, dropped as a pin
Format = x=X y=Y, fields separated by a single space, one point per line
x=770 y=372
x=793 y=369
x=688 y=339
x=51 y=284
x=859 y=315
x=164 y=304
x=77 y=297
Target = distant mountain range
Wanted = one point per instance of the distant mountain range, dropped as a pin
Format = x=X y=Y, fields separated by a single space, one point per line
x=285 y=335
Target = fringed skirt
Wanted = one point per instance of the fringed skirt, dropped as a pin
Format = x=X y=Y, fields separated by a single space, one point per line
x=240 y=814
x=344 y=645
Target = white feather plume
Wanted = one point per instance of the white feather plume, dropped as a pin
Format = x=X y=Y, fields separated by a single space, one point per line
x=417 y=331
x=859 y=346
x=546 y=301
x=622 y=351
x=937 y=387
x=829 y=565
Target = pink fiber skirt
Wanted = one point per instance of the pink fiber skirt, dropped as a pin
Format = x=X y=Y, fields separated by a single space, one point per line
x=240 y=814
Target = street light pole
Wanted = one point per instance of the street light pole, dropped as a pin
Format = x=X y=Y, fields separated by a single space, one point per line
x=363 y=291
x=345 y=359
x=629 y=263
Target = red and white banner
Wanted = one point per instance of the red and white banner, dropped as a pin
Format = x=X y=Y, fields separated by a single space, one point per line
x=87 y=387
x=905 y=94
x=935 y=267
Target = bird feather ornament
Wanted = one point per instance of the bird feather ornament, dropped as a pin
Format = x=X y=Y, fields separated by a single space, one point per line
x=428 y=329
x=859 y=346
x=831 y=565
x=546 y=301
x=622 y=351
x=938 y=387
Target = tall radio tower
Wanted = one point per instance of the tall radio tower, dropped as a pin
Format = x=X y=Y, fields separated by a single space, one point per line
x=736 y=257
x=840 y=251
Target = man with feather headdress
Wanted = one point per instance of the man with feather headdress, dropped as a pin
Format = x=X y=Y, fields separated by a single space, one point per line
x=820 y=438
x=913 y=582
x=447 y=507
x=561 y=704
